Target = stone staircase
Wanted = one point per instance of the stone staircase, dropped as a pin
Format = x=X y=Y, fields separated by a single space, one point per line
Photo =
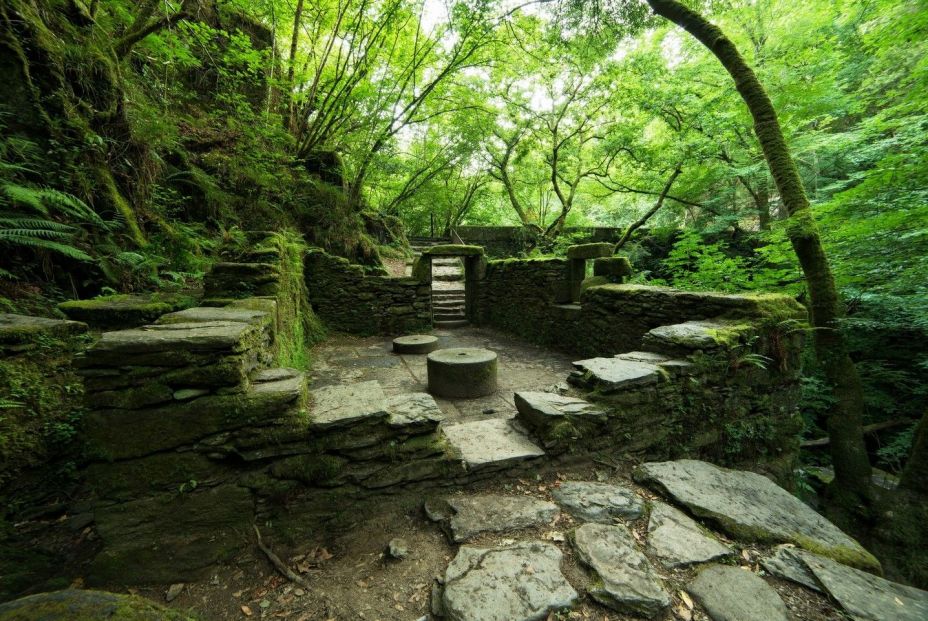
x=448 y=297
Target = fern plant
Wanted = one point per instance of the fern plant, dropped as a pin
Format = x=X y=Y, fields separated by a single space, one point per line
x=26 y=218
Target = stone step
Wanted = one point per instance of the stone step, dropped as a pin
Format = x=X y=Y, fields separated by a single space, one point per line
x=448 y=277
x=610 y=375
x=451 y=324
x=448 y=316
x=490 y=445
x=556 y=420
x=449 y=307
x=685 y=338
x=448 y=294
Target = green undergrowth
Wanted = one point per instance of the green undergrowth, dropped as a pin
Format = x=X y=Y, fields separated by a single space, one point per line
x=40 y=407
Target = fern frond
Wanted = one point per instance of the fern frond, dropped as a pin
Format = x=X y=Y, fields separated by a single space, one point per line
x=45 y=244
x=13 y=221
x=30 y=197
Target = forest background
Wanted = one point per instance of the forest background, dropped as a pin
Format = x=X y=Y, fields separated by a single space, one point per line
x=137 y=137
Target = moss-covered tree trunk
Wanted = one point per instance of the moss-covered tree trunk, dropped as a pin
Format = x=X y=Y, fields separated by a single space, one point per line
x=915 y=476
x=852 y=466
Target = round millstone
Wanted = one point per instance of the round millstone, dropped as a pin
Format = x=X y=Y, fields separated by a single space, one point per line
x=462 y=373
x=415 y=344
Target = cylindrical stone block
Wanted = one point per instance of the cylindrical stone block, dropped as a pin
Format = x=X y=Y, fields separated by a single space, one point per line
x=415 y=344
x=462 y=373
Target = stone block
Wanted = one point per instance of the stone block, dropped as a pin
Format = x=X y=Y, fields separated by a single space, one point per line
x=590 y=251
x=124 y=310
x=614 y=268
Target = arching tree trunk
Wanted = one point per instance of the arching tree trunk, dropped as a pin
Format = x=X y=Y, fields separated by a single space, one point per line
x=852 y=466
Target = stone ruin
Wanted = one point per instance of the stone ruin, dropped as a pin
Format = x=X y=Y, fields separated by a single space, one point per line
x=198 y=424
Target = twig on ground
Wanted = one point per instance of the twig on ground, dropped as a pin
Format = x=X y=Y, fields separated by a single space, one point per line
x=278 y=564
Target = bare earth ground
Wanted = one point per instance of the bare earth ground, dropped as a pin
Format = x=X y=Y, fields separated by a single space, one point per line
x=352 y=578
x=350 y=575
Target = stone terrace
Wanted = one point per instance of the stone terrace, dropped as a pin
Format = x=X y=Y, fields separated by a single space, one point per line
x=522 y=367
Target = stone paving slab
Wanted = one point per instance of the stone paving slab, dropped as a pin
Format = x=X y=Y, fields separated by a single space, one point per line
x=465 y=517
x=735 y=594
x=492 y=443
x=678 y=541
x=626 y=580
x=346 y=405
x=598 y=502
x=522 y=582
x=416 y=410
x=751 y=507
x=864 y=596
x=611 y=374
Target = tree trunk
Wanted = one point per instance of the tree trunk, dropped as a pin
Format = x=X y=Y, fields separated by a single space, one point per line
x=852 y=466
x=915 y=476
x=291 y=68
x=647 y=216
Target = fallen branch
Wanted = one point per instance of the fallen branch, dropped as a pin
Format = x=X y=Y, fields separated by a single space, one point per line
x=278 y=564
x=869 y=429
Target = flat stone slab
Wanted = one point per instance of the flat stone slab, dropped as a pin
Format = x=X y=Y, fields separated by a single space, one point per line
x=210 y=336
x=590 y=251
x=124 y=310
x=465 y=517
x=273 y=375
x=347 y=404
x=209 y=314
x=867 y=597
x=288 y=388
x=598 y=502
x=626 y=581
x=785 y=562
x=643 y=356
x=677 y=540
x=612 y=374
x=734 y=594
x=414 y=411
x=522 y=582
x=751 y=507
x=695 y=335
x=415 y=344
x=540 y=409
x=21 y=329
x=490 y=443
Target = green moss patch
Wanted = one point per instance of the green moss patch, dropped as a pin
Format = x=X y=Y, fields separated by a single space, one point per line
x=447 y=250
x=125 y=310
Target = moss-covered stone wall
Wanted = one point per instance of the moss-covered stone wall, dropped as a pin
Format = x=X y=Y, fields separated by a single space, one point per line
x=527 y=297
x=733 y=397
x=348 y=299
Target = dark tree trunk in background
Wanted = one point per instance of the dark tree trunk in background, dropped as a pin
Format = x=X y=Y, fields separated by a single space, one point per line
x=851 y=463
x=915 y=476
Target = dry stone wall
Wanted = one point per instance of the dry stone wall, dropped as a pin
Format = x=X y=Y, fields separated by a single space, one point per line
x=196 y=428
x=349 y=300
x=678 y=373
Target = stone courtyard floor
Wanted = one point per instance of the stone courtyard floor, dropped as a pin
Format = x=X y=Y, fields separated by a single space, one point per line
x=345 y=359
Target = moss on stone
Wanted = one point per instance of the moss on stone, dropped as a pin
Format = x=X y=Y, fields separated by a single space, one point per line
x=125 y=310
x=590 y=251
x=75 y=605
x=444 y=250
